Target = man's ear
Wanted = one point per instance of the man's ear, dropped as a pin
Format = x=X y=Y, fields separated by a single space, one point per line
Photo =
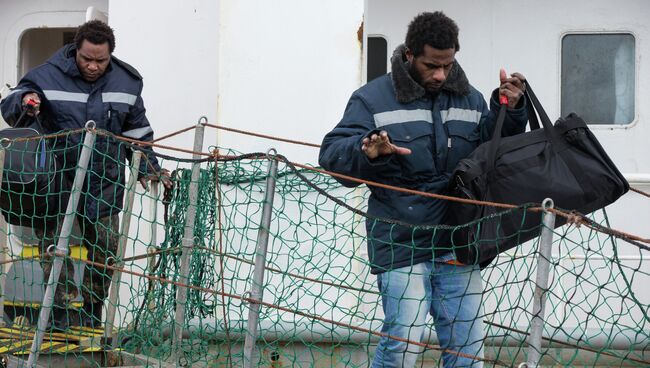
x=409 y=55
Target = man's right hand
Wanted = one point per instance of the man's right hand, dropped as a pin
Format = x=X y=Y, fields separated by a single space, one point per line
x=379 y=145
x=32 y=111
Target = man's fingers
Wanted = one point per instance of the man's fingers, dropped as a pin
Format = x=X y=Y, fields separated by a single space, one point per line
x=519 y=76
x=143 y=182
x=400 y=150
x=167 y=182
x=511 y=92
x=384 y=138
x=516 y=89
x=502 y=75
x=32 y=103
x=32 y=99
x=515 y=80
x=378 y=145
x=166 y=179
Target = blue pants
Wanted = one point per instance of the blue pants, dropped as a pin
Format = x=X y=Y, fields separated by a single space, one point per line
x=452 y=294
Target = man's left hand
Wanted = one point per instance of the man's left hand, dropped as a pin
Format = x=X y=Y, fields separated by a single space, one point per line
x=512 y=87
x=163 y=177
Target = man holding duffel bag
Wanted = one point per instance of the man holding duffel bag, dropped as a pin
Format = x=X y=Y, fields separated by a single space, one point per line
x=408 y=129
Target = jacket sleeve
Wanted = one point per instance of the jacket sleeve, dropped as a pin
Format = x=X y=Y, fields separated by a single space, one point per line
x=341 y=148
x=12 y=105
x=515 y=121
x=136 y=126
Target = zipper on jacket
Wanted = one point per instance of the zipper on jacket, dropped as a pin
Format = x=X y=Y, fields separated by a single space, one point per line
x=448 y=147
x=434 y=146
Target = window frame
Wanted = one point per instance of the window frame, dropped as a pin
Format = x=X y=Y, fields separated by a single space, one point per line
x=635 y=36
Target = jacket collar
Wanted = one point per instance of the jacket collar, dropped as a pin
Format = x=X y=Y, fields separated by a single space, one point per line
x=408 y=90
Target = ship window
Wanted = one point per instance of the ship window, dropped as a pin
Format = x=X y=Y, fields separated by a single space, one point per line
x=377 y=57
x=38 y=44
x=598 y=76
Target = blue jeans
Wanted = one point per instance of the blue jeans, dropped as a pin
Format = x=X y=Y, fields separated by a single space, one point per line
x=452 y=294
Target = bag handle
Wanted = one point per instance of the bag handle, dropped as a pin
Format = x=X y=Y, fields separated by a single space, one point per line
x=534 y=108
x=496 y=138
x=532 y=115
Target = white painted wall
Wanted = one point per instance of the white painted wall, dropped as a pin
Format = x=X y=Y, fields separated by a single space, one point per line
x=174 y=46
x=287 y=69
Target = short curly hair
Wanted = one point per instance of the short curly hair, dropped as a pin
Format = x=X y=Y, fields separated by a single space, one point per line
x=96 y=32
x=434 y=29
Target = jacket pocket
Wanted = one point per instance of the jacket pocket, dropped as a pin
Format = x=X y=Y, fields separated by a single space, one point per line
x=418 y=137
x=106 y=160
x=115 y=117
x=463 y=138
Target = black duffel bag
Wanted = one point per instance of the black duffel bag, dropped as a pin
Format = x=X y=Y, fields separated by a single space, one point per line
x=31 y=192
x=563 y=162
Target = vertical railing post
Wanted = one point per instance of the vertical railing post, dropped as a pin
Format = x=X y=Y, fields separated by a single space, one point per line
x=153 y=212
x=3 y=248
x=153 y=244
x=257 y=291
x=61 y=250
x=113 y=296
x=187 y=242
x=541 y=285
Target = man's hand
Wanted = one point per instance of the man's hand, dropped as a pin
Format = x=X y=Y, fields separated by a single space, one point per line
x=33 y=106
x=512 y=87
x=379 y=145
x=163 y=177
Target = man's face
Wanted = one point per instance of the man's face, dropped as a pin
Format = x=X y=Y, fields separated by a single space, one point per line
x=92 y=60
x=431 y=68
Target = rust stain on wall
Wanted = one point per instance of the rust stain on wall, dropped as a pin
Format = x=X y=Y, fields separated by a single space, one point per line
x=360 y=33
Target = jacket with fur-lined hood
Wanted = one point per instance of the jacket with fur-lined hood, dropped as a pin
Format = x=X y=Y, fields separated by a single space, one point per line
x=439 y=132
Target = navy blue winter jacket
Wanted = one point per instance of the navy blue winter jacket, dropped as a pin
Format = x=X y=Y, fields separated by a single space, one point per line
x=68 y=102
x=439 y=133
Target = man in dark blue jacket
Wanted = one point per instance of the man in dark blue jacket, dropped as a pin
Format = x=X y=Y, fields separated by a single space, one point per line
x=80 y=82
x=409 y=129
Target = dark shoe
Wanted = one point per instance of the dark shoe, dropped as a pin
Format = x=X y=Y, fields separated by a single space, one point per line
x=92 y=315
x=59 y=320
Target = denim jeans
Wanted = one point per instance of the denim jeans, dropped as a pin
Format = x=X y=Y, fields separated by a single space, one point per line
x=452 y=294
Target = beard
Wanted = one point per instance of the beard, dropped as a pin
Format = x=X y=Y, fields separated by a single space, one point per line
x=431 y=89
x=414 y=73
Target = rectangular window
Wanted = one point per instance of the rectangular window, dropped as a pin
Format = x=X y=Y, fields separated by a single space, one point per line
x=377 y=57
x=598 y=76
